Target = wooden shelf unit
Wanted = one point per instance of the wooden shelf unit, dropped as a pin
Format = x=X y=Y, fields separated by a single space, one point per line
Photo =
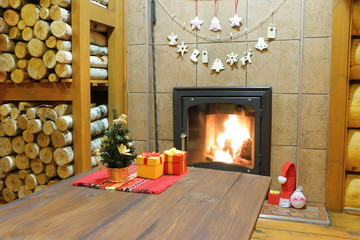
x=79 y=90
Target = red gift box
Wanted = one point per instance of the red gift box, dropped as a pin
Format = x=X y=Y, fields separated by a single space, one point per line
x=175 y=162
x=273 y=197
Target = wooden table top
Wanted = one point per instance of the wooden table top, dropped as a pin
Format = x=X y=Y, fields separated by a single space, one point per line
x=203 y=204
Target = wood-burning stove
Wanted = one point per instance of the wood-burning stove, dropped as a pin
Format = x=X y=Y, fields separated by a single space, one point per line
x=227 y=128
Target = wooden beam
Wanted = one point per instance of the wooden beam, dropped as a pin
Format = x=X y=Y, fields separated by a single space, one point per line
x=117 y=66
x=102 y=15
x=334 y=197
x=81 y=84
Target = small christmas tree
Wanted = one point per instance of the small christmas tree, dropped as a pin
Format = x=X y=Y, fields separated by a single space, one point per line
x=117 y=148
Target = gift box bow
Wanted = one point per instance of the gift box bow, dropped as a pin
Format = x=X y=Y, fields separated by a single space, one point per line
x=149 y=159
x=173 y=151
x=148 y=154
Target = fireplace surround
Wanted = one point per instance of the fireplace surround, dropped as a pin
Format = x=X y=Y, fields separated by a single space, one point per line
x=202 y=126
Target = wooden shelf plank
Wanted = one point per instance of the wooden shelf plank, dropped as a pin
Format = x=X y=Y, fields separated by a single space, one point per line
x=101 y=14
x=36 y=92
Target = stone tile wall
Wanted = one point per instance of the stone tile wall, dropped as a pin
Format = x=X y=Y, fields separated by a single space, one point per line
x=296 y=65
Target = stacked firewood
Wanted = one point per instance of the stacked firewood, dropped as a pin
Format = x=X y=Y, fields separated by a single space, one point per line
x=35 y=42
x=36 y=145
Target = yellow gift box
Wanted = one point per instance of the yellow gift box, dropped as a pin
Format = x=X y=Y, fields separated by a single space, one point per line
x=150 y=166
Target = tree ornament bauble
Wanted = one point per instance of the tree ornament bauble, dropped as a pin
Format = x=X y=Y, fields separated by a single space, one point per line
x=298 y=199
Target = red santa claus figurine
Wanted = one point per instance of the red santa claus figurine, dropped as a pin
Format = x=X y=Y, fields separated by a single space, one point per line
x=288 y=183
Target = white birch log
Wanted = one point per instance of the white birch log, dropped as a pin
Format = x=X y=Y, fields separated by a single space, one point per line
x=98 y=61
x=28 y=136
x=43 y=140
x=37 y=69
x=30 y=13
x=18 y=144
x=64 y=155
x=31 y=181
x=23 y=63
x=65 y=171
x=98 y=27
x=37 y=166
x=15 y=33
x=13 y=182
x=34 y=126
x=23 y=191
x=36 y=47
x=63 y=45
x=27 y=34
x=61 y=30
x=50 y=42
x=44 y=13
x=50 y=170
x=97 y=38
x=9 y=195
x=31 y=113
x=3 y=76
x=98 y=73
x=63 y=56
x=63 y=109
x=59 y=13
x=11 y=17
x=21 y=50
x=19 y=75
x=62 y=3
x=8 y=62
x=53 y=77
x=11 y=128
x=98 y=112
x=5 y=109
x=49 y=59
x=22 y=161
x=32 y=150
x=61 y=138
x=99 y=127
x=14 y=113
x=23 y=172
x=49 y=127
x=22 y=121
x=42 y=30
x=45 y=3
x=7 y=163
x=2 y=130
x=4 y=27
x=5 y=146
x=42 y=178
x=21 y=24
x=98 y=51
x=46 y=154
x=63 y=70
x=64 y=123
x=18 y=4
x=6 y=44
x=53 y=181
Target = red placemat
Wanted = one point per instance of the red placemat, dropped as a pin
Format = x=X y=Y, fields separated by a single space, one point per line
x=99 y=179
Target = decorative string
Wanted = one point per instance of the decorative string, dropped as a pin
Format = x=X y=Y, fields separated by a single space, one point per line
x=196 y=8
x=215 y=8
x=236 y=5
x=225 y=38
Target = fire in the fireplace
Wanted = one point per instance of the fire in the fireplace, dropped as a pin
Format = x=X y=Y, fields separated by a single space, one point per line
x=229 y=138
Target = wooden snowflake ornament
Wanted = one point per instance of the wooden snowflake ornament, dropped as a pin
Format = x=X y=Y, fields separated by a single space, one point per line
x=182 y=48
x=232 y=58
x=217 y=65
x=172 y=38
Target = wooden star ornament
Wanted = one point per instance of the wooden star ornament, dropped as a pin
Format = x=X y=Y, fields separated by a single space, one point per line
x=235 y=21
x=182 y=48
x=196 y=23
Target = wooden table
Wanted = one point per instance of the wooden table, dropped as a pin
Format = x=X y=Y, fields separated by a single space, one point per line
x=204 y=204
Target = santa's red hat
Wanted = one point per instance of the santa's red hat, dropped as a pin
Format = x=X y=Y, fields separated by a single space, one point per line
x=288 y=183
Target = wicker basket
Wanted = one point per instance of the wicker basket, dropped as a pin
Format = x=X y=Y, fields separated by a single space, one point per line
x=118 y=174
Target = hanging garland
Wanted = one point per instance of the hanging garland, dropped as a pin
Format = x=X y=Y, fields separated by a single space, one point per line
x=227 y=37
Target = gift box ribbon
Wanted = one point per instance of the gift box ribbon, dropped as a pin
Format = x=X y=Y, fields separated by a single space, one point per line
x=171 y=152
x=154 y=160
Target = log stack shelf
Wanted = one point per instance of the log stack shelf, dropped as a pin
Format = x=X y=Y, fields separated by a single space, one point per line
x=79 y=88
